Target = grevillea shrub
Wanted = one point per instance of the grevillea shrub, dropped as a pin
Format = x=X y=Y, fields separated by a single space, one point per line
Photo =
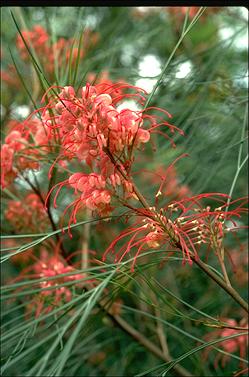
x=108 y=245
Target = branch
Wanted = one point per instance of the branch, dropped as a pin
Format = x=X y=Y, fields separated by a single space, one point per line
x=231 y=291
x=138 y=336
x=38 y=193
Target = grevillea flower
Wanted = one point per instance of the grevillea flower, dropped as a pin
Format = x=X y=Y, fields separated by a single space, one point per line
x=20 y=150
x=37 y=37
x=233 y=345
x=94 y=131
x=92 y=123
x=63 y=50
x=27 y=214
x=183 y=224
x=53 y=292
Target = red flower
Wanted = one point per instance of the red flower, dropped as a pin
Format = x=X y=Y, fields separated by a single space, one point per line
x=183 y=224
x=27 y=214
x=93 y=130
x=20 y=150
x=37 y=37
x=53 y=292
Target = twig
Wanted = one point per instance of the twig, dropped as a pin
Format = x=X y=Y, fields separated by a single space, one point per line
x=231 y=291
x=38 y=193
x=239 y=163
x=147 y=343
x=160 y=329
x=85 y=243
x=223 y=267
x=140 y=338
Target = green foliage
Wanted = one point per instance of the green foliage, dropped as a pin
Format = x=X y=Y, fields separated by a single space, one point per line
x=174 y=307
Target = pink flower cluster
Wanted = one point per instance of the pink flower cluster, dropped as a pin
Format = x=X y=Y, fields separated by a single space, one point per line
x=62 y=51
x=233 y=345
x=93 y=192
x=27 y=214
x=53 y=291
x=92 y=123
x=37 y=37
x=49 y=54
x=94 y=131
x=20 y=152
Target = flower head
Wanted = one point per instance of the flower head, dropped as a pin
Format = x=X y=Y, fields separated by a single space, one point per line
x=27 y=214
x=53 y=292
x=63 y=50
x=20 y=150
x=38 y=37
x=94 y=131
x=184 y=224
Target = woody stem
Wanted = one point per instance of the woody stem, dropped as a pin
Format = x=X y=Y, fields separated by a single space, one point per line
x=231 y=291
x=139 y=337
x=85 y=244
x=223 y=267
